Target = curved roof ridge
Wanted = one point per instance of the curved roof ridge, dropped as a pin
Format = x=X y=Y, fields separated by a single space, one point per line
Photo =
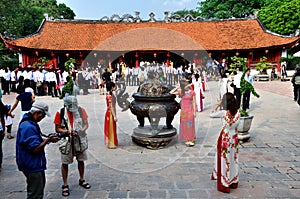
x=273 y=33
x=229 y=34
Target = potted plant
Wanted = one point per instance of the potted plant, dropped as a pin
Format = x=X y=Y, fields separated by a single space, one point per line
x=69 y=87
x=245 y=119
x=42 y=61
x=263 y=65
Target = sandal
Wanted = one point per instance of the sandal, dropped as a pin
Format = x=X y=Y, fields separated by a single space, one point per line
x=84 y=184
x=65 y=190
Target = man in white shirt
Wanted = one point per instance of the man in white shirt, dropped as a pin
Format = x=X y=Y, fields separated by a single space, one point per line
x=236 y=84
x=135 y=80
x=13 y=81
x=40 y=82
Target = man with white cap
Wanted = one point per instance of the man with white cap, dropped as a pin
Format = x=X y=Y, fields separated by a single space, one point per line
x=30 y=152
x=72 y=121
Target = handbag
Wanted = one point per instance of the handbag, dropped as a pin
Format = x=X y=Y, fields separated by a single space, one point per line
x=65 y=145
x=80 y=144
x=39 y=84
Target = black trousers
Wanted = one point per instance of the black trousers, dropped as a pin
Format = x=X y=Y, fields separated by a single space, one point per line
x=237 y=93
x=246 y=99
x=35 y=185
x=296 y=91
x=1 y=152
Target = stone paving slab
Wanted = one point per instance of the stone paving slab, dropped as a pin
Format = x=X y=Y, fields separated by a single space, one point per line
x=269 y=162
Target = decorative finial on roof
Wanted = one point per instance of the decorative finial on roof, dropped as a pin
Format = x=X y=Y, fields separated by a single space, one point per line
x=255 y=14
x=166 y=16
x=46 y=15
x=152 y=15
x=137 y=16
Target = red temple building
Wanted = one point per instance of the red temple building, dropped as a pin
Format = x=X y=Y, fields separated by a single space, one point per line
x=109 y=39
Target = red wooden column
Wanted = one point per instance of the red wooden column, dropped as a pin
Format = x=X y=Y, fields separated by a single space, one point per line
x=277 y=58
x=24 y=60
x=137 y=60
x=168 y=59
x=108 y=59
x=195 y=58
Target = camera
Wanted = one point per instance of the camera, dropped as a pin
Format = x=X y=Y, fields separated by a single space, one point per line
x=59 y=135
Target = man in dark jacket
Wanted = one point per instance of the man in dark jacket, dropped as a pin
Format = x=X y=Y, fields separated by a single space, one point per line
x=30 y=153
x=106 y=76
x=296 y=84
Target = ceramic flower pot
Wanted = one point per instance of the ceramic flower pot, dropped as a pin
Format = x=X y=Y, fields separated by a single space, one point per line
x=244 y=127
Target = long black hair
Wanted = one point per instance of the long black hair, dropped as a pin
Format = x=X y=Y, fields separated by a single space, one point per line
x=229 y=102
x=109 y=86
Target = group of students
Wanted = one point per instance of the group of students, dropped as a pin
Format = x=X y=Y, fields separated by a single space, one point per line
x=44 y=81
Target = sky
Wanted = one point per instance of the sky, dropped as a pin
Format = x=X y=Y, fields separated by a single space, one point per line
x=96 y=9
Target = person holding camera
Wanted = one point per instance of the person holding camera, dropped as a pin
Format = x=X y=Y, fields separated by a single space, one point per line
x=72 y=122
x=30 y=149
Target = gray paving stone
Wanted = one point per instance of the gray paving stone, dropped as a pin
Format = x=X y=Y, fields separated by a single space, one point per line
x=271 y=170
x=200 y=193
x=183 y=185
x=295 y=176
x=166 y=185
x=177 y=193
x=269 y=162
x=137 y=194
x=117 y=194
x=157 y=193
x=108 y=186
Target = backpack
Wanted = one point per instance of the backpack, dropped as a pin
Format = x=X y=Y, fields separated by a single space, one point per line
x=63 y=121
x=79 y=143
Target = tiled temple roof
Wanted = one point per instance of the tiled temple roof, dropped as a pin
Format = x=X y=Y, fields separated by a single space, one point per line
x=79 y=35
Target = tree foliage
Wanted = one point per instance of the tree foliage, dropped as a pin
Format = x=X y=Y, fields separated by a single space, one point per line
x=236 y=63
x=23 y=17
x=225 y=9
x=20 y=18
x=281 y=16
x=183 y=13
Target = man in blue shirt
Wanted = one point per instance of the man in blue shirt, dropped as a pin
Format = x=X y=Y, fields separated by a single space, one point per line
x=30 y=153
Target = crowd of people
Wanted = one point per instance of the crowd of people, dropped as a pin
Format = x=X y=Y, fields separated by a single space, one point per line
x=71 y=121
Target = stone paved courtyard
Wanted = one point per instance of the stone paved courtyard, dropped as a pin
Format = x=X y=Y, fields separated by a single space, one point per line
x=269 y=162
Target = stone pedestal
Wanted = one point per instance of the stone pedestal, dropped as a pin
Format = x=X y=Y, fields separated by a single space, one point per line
x=144 y=136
